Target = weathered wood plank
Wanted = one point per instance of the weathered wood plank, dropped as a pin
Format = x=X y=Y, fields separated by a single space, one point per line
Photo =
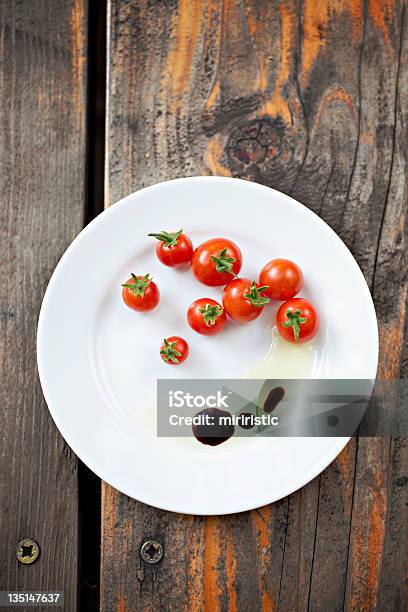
x=42 y=144
x=378 y=562
x=187 y=81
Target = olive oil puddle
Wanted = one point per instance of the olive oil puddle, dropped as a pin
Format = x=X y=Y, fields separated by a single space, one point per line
x=283 y=360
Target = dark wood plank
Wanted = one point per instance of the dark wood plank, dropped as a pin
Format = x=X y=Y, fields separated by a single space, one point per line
x=42 y=144
x=378 y=563
x=326 y=82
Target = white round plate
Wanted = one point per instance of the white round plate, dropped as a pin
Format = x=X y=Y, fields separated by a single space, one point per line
x=99 y=361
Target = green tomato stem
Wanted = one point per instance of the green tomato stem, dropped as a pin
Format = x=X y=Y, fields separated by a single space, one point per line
x=294 y=321
x=169 y=239
x=211 y=313
x=223 y=263
x=169 y=352
x=255 y=297
x=139 y=285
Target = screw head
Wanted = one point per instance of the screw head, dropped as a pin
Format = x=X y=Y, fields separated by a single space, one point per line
x=27 y=551
x=151 y=551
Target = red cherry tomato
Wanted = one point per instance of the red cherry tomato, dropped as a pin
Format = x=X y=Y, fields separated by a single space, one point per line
x=297 y=321
x=206 y=316
x=173 y=249
x=216 y=261
x=174 y=350
x=283 y=277
x=242 y=299
x=140 y=293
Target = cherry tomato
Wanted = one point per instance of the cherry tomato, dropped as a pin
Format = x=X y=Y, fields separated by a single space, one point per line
x=242 y=299
x=206 y=316
x=216 y=261
x=140 y=293
x=174 y=350
x=173 y=249
x=283 y=277
x=297 y=320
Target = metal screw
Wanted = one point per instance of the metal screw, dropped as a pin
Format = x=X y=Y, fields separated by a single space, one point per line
x=27 y=551
x=151 y=551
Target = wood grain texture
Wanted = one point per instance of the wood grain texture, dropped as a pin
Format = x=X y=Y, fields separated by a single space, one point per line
x=42 y=157
x=307 y=97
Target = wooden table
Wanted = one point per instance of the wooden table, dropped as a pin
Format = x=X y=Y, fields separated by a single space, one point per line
x=328 y=81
